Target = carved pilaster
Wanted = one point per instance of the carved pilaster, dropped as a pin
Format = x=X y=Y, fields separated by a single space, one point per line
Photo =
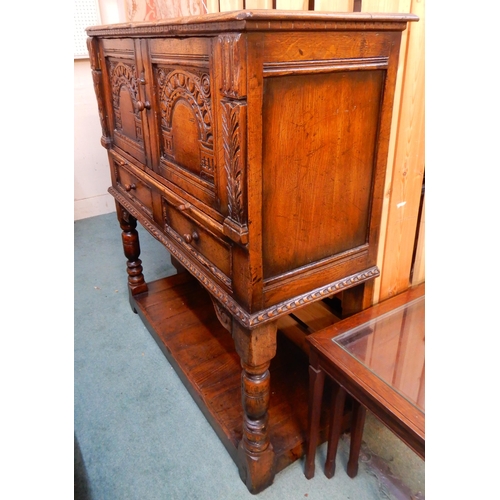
x=98 y=85
x=233 y=137
x=233 y=55
x=233 y=88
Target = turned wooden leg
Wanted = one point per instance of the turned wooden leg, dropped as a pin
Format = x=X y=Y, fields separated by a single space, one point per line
x=256 y=458
x=358 y=422
x=132 y=250
x=316 y=385
x=337 y=412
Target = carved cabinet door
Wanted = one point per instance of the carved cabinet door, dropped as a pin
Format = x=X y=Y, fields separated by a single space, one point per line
x=128 y=106
x=182 y=89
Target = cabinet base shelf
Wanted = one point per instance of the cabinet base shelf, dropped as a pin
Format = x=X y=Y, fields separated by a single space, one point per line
x=179 y=315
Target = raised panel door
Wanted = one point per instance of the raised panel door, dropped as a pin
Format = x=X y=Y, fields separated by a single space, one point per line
x=128 y=103
x=182 y=86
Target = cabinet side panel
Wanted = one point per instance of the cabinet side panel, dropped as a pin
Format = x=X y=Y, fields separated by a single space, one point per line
x=320 y=134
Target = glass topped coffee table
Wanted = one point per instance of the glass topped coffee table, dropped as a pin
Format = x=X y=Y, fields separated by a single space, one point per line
x=378 y=357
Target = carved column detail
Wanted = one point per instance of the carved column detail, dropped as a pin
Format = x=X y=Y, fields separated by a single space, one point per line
x=233 y=137
x=132 y=250
x=233 y=88
x=234 y=146
x=98 y=85
x=233 y=55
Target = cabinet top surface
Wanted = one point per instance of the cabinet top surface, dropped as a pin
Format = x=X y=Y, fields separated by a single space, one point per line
x=259 y=20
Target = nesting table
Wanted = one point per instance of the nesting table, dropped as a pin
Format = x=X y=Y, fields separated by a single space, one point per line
x=378 y=357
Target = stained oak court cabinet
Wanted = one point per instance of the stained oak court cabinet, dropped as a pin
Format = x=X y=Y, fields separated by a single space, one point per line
x=253 y=146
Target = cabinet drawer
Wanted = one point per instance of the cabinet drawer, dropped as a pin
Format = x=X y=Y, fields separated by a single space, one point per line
x=209 y=250
x=130 y=184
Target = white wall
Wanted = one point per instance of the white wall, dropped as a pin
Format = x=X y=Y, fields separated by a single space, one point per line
x=91 y=168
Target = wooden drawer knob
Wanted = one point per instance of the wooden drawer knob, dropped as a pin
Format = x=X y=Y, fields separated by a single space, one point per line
x=141 y=106
x=188 y=238
x=129 y=187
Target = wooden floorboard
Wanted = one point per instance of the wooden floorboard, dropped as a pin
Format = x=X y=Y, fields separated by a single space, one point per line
x=179 y=314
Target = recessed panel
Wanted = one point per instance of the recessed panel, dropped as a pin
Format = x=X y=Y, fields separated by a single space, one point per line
x=185 y=138
x=127 y=114
x=186 y=122
x=319 y=139
x=128 y=127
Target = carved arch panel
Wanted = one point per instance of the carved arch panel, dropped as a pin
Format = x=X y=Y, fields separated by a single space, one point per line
x=127 y=121
x=186 y=118
x=125 y=96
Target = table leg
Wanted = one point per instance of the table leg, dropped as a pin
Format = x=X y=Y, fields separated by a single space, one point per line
x=132 y=250
x=316 y=384
x=256 y=457
x=358 y=422
x=337 y=411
